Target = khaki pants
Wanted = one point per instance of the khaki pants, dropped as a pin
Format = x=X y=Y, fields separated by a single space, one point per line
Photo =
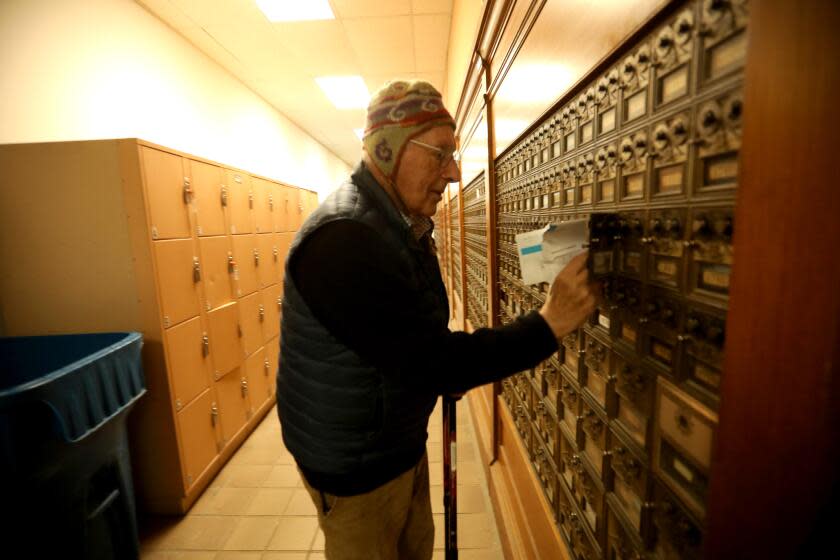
x=392 y=522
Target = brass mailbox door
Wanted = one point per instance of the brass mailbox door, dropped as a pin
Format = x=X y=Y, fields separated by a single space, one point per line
x=169 y=193
x=234 y=408
x=249 y=319
x=179 y=280
x=188 y=348
x=255 y=372
x=247 y=257
x=225 y=344
x=295 y=208
x=272 y=358
x=240 y=201
x=197 y=422
x=263 y=205
x=268 y=270
x=209 y=198
x=272 y=302
x=217 y=270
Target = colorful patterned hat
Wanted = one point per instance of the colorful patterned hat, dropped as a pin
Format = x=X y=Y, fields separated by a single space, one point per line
x=398 y=112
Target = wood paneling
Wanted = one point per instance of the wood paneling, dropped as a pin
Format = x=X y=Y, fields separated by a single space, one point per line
x=777 y=450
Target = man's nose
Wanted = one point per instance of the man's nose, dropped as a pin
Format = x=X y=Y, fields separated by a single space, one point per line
x=452 y=173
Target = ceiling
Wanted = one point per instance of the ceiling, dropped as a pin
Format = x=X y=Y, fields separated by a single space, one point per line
x=376 y=39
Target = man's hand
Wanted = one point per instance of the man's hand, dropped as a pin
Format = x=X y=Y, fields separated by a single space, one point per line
x=571 y=298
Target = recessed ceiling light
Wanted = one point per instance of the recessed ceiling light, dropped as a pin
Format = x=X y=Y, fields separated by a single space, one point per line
x=296 y=10
x=360 y=132
x=345 y=92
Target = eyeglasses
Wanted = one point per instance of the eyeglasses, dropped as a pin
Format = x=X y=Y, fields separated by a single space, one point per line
x=444 y=157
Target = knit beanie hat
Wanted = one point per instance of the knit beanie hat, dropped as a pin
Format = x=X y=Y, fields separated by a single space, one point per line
x=398 y=112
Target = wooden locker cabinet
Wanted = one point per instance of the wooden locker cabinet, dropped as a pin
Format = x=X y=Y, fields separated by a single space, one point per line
x=187 y=251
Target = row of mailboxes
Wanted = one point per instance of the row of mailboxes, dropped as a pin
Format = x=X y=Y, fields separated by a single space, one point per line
x=187 y=195
x=685 y=58
x=475 y=252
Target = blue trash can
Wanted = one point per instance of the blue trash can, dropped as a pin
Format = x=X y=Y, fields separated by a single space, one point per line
x=64 y=461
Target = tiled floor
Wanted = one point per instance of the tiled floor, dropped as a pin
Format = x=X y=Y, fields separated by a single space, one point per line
x=257 y=508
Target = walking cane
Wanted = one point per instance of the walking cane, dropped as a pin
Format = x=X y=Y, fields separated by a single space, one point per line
x=450 y=479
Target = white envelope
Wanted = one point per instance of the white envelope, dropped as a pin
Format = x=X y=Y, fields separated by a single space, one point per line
x=544 y=252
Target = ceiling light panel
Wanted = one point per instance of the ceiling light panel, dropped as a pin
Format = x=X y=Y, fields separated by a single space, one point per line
x=296 y=10
x=345 y=92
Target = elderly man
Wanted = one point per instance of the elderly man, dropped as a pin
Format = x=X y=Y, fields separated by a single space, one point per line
x=365 y=348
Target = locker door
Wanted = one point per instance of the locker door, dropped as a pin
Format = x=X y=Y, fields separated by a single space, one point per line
x=179 y=280
x=234 y=407
x=217 y=267
x=278 y=195
x=240 y=201
x=272 y=301
x=272 y=357
x=168 y=190
x=269 y=259
x=246 y=257
x=311 y=203
x=187 y=347
x=263 y=205
x=225 y=343
x=249 y=319
x=283 y=219
x=256 y=371
x=284 y=242
x=209 y=198
x=295 y=209
x=197 y=422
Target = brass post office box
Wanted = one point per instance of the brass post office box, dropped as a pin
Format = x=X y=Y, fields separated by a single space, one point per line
x=666 y=248
x=572 y=353
x=633 y=154
x=546 y=472
x=586 y=115
x=635 y=77
x=660 y=324
x=225 y=343
x=599 y=372
x=636 y=389
x=601 y=320
x=570 y=401
x=567 y=512
x=234 y=407
x=705 y=335
x=632 y=484
x=546 y=423
x=602 y=232
x=595 y=434
x=678 y=535
x=246 y=258
x=606 y=160
x=723 y=26
x=188 y=350
x=169 y=193
x=627 y=296
x=711 y=252
x=551 y=379
x=521 y=419
x=240 y=202
x=507 y=393
x=683 y=440
x=629 y=234
x=669 y=149
x=673 y=46
x=209 y=198
x=621 y=543
x=217 y=270
x=179 y=274
x=566 y=456
x=718 y=125
x=590 y=496
x=585 y=543
x=606 y=97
